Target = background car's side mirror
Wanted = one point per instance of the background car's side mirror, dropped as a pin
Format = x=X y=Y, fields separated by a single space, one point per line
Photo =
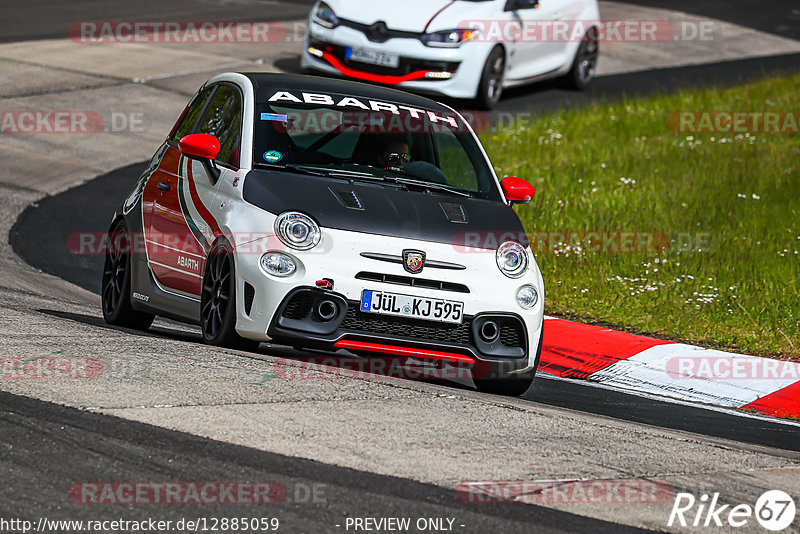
x=203 y=148
x=517 y=190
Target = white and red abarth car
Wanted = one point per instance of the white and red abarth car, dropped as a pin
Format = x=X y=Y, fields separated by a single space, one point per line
x=467 y=49
x=330 y=215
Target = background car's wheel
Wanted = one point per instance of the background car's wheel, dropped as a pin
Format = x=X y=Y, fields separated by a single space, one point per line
x=584 y=67
x=491 y=85
x=218 y=301
x=116 y=284
x=510 y=385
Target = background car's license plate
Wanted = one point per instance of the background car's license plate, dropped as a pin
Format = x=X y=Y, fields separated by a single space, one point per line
x=446 y=311
x=374 y=57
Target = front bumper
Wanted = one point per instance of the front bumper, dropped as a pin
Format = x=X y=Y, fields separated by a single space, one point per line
x=269 y=307
x=422 y=68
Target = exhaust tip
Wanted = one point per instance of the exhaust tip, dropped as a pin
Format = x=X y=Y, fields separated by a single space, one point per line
x=490 y=331
x=327 y=310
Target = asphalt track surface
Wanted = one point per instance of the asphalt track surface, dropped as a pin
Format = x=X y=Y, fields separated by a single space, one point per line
x=47 y=446
x=41 y=232
x=23 y=20
x=781 y=17
x=28 y=20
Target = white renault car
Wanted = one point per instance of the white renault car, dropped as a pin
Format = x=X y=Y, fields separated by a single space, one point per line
x=465 y=49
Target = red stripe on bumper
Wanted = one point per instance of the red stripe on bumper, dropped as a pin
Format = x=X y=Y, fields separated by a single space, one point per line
x=402 y=351
x=367 y=76
x=577 y=350
x=783 y=403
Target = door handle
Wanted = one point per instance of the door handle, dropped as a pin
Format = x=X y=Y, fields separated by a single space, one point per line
x=163 y=186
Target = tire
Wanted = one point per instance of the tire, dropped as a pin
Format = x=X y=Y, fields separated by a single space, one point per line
x=511 y=385
x=116 y=283
x=490 y=88
x=584 y=66
x=218 y=301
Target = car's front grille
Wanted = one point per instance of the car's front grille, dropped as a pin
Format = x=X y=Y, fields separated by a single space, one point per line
x=511 y=333
x=407 y=65
x=358 y=321
x=299 y=307
x=398 y=280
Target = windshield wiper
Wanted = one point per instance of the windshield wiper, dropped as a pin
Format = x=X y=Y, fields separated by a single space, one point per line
x=432 y=186
x=318 y=171
x=290 y=166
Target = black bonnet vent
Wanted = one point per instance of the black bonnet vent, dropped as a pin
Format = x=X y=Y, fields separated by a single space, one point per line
x=348 y=199
x=454 y=212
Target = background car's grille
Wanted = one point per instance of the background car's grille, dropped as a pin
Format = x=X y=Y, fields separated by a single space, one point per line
x=407 y=65
x=412 y=282
x=408 y=328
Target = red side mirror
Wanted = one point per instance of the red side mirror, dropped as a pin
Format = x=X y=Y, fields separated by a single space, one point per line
x=199 y=146
x=517 y=190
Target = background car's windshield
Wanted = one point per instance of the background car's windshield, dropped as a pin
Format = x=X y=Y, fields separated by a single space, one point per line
x=430 y=147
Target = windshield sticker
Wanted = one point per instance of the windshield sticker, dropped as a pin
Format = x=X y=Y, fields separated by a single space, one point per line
x=276 y=117
x=273 y=156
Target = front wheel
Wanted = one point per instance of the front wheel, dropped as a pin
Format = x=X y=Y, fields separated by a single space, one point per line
x=510 y=385
x=218 y=301
x=490 y=88
x=116 y=283
x=584 y=67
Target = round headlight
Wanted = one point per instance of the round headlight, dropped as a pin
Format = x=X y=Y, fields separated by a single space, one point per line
x=527 y=297
x=512 y=259
x=298 y=231
x=278 y=264
x=325 y=16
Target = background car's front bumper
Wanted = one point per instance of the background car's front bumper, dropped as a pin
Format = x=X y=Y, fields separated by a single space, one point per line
x=416 y=59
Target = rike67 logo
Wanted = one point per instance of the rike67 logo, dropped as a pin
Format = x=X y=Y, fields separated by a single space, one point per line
x=775 y=511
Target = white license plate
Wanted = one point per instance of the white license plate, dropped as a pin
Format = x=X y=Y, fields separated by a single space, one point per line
x=380 y=302
x=373 y=57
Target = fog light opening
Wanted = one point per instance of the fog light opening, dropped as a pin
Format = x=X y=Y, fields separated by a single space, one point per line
x=327 y=310
x=490 y=331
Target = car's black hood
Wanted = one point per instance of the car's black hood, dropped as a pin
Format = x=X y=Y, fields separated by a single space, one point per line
x=385 y=210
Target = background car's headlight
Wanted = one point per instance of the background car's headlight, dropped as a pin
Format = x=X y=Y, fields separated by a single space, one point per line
x=450 y=38
x=298 y=231
x=278 y=264
x=324 y=16
x=512 y=259
x=527 y=297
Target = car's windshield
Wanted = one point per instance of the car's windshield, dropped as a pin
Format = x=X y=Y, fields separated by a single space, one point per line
x=363 y=139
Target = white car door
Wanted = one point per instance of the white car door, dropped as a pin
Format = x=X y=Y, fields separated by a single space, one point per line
x=539 y=48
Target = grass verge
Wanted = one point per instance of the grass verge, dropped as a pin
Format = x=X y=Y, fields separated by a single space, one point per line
x=712 y=219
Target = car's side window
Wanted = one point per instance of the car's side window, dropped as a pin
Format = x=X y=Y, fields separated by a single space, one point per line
x=223 y=119
x=191 y=116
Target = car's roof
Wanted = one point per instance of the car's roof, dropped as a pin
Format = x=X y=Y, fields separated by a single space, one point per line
x=266 y=84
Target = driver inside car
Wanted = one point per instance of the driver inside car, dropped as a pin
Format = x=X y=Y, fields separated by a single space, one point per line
x=393 y=154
